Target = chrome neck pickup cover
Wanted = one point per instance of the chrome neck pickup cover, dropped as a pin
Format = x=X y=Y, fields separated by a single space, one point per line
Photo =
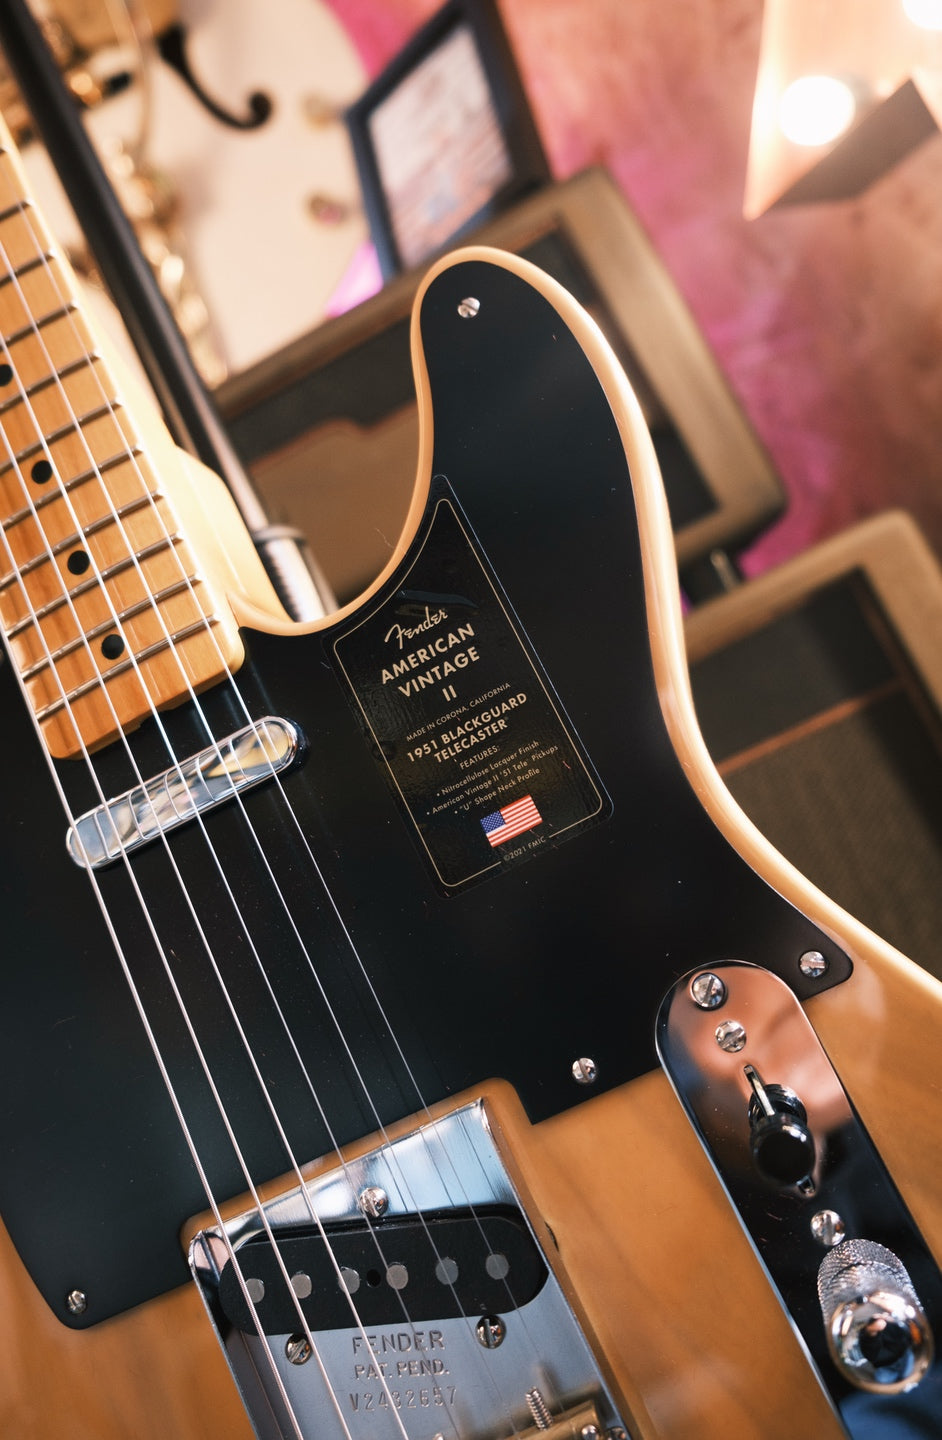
x=183 y=791
x=851 y=1270
x=403 y=1295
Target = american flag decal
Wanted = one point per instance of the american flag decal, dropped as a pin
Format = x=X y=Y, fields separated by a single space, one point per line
x=512 y=820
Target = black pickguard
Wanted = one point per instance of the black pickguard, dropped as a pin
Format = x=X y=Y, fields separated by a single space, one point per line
x=564 y=954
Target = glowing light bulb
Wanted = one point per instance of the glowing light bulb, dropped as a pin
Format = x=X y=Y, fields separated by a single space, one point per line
x=927 y=14
x=816 y=109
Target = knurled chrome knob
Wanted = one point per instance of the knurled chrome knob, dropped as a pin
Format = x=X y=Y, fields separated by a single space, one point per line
x=877 y=1332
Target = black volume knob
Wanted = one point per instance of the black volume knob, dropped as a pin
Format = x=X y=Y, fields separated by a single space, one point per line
x=783 y=1147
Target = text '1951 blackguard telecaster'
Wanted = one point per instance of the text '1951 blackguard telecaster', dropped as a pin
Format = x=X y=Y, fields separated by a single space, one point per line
x=387 y=970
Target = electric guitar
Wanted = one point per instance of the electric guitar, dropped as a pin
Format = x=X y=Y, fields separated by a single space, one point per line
x=402 y=997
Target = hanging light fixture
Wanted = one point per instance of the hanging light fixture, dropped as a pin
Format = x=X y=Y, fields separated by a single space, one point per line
x=816 y=109
x=927 y=14
x=843 y=93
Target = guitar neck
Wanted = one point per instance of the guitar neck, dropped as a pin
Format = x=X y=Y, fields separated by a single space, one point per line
x=113 y=585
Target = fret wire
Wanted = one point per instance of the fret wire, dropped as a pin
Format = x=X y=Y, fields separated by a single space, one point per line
x=61 y=433
x=17 y=209
x=102 y=522
x=28 y=391
x=66 y=486
x=27 y=331
x=151 y=601
x=170 y=641
x=44 y=258
x=92 y=583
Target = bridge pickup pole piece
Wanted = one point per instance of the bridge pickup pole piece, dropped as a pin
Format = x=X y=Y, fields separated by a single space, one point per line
x=181 y=792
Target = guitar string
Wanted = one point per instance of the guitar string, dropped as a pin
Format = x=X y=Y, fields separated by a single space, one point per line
x=248 y=1050
x=437 y=1256
x=149 y=921
x=138 y=1001
x=288 y=1031
x=416 y=1207
x=148 y=918
x=422 y=1104
x=333 y=1139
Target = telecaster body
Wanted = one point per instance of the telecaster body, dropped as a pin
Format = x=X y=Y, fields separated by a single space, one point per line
x=499 y=846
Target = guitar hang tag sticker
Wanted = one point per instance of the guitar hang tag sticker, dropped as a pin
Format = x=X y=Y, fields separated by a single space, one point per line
x=475 y=743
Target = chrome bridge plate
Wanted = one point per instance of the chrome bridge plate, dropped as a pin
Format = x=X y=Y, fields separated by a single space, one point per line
x=438 y=1316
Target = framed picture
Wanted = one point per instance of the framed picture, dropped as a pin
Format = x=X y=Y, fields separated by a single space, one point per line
x=444 y=138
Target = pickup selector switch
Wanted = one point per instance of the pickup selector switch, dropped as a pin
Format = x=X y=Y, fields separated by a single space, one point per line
x=782 y=1145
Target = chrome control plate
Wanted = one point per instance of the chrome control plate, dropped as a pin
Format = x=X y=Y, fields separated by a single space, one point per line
x=733 y=1041
x=515 y=1362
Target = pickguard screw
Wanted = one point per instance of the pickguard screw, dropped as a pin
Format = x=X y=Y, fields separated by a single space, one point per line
x=76 y=1302
x=373 y=1201
x=708 y=991
x=828 y=1228
x=469 y=307
x=298 y=1349
x=584 y=1071
x=490 y=1331
x=813 y=964
x=617 y=1434
x=730 y=1036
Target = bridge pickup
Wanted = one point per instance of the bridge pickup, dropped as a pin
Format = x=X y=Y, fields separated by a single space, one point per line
x=181 y=792
x=426 y=1319
x=468 y=1262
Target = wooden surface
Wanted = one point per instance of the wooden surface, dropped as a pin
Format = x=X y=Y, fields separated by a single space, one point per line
x=102 y=520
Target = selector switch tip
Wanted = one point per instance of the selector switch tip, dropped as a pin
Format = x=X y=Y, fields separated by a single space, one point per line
x=783 y=1147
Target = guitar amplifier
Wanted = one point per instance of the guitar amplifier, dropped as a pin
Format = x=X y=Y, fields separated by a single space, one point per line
x=328 y=427
x=819 y=692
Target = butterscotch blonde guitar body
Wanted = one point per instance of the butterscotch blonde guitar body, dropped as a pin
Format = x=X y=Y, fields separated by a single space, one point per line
x=684 y=1319
x=677 y=1301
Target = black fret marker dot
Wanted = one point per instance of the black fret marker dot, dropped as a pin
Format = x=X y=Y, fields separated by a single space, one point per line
x=6 y=374
x=112 y=646
x=41 y=472
x=78 y=562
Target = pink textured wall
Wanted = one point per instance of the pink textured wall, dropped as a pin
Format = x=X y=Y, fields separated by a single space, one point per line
x=826 y=319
